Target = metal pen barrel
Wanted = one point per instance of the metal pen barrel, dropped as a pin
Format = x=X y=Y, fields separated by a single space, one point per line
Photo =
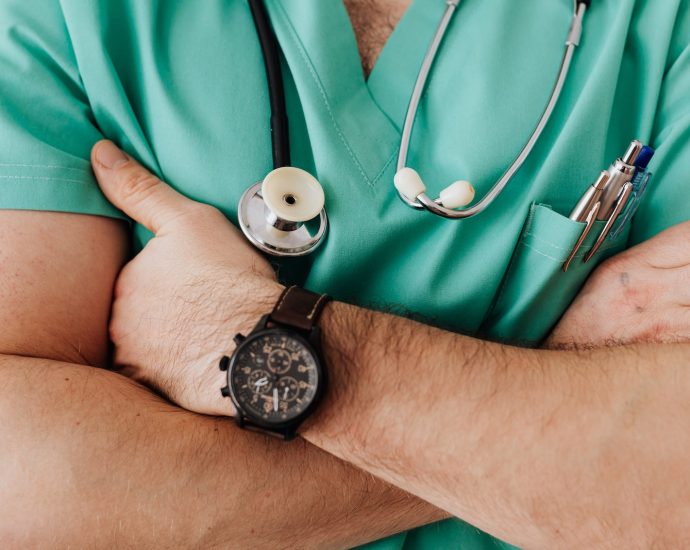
x=621 y=172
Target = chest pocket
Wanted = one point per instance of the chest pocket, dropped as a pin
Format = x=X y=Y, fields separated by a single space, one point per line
x=535 y=291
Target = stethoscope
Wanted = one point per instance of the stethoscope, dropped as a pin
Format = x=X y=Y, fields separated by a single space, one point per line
x=284 y=214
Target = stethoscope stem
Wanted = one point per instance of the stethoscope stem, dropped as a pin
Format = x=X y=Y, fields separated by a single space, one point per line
x=423 y=201
x=273 y=213
x=280 y=140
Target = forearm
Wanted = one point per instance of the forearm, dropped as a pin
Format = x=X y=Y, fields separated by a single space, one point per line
x=88 y=454
x=539 y=448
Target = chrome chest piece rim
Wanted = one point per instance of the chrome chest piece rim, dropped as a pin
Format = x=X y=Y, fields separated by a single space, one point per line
x=274 y=235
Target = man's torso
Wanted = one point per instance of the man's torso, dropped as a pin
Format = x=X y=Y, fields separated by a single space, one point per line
x=180 y=85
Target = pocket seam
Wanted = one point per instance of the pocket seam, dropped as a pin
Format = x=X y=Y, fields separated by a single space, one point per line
x=561 y=260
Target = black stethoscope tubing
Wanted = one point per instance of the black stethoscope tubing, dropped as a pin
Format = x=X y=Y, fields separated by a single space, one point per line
x=280 y=140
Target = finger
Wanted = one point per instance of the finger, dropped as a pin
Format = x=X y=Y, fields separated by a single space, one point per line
x=668 y=249
x=134 y=190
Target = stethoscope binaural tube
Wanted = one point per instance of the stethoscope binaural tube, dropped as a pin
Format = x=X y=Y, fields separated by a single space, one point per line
x=408 y=182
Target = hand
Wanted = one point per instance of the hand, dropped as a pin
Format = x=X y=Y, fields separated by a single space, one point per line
x=639 y=296
x=181 y=300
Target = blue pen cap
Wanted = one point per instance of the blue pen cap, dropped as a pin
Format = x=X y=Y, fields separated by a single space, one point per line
x=644 y=158
x=639 y=187
x=639 y=182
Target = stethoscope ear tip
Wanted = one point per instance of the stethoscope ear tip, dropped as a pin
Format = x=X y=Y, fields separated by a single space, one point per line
x=409 y=183
x=457 y=194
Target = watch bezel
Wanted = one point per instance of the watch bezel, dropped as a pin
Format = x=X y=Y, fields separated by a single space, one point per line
x=312 y=343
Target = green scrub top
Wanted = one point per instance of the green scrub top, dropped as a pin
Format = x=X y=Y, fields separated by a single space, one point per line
x=181 y=86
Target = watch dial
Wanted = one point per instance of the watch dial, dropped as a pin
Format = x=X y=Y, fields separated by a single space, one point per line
x=274 y=377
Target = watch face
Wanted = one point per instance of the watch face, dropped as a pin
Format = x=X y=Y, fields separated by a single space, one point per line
x=274 y=377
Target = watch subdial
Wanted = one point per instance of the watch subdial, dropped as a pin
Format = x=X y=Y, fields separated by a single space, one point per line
x=260 y=382
x=288 y=388
x=279 y=361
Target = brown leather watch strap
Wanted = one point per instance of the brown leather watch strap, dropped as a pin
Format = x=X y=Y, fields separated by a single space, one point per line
x=298 y=308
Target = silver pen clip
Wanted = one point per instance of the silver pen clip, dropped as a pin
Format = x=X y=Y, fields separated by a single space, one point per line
x=590 y=220
x=622 y=201
x=586 y=210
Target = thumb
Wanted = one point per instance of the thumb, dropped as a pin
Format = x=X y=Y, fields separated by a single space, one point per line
x=134 y=190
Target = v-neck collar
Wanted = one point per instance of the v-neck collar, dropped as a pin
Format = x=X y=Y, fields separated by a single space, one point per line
x=319 y=44
x=394 y=74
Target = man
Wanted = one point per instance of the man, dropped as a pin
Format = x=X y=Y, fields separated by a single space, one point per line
x=125 y=469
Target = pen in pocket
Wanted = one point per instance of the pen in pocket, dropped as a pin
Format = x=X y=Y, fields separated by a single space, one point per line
x=613 y=198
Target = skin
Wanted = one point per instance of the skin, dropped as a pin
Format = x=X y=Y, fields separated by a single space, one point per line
x=649 y=293
x=127 y=444
x=90 y=452
x=373 y=21
x=90 y=457
x=601 y=432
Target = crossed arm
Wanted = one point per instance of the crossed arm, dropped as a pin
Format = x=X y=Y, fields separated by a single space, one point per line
x=541 y=448
x=529 y=442
x=89 y=457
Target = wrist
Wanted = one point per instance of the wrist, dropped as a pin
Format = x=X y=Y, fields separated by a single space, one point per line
x=276 y=377
x=246 y=302
x=346 y=341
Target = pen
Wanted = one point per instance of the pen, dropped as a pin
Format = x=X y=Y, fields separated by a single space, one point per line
x=620 y=172
x=592 y=196
x=612 y=198
x=628 y=198
x=590 y=218
x=618 y=207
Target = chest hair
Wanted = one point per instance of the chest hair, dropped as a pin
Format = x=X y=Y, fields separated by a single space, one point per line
x=373 y=22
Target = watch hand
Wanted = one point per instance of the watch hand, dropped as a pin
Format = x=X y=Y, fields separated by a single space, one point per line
x=285 y=393
x=275 y=399
x=261 y=382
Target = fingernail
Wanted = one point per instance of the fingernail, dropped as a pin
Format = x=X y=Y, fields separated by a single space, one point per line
x=110 y=156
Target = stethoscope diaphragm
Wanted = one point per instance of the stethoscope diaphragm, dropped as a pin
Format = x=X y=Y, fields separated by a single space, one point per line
x=284 y=214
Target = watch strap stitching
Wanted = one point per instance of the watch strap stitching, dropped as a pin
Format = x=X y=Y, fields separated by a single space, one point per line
x=316 y=306
x=284 y=296
x=298 y=308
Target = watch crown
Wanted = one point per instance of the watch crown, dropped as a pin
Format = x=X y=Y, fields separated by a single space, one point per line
x=224 y=363
x=225 y=391
x=238 y=339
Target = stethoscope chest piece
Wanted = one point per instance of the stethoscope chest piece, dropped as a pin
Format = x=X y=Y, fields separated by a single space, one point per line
x=284 y=214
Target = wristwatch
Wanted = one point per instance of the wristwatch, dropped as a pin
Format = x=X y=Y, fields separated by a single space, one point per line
x=276 y=375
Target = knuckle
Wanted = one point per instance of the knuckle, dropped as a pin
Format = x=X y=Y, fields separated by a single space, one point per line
x=114 y=331
x=137 y=185
x=119 y=290
x=200 y=215
x=615 y=267
x=117 y=328
x=205 y=211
